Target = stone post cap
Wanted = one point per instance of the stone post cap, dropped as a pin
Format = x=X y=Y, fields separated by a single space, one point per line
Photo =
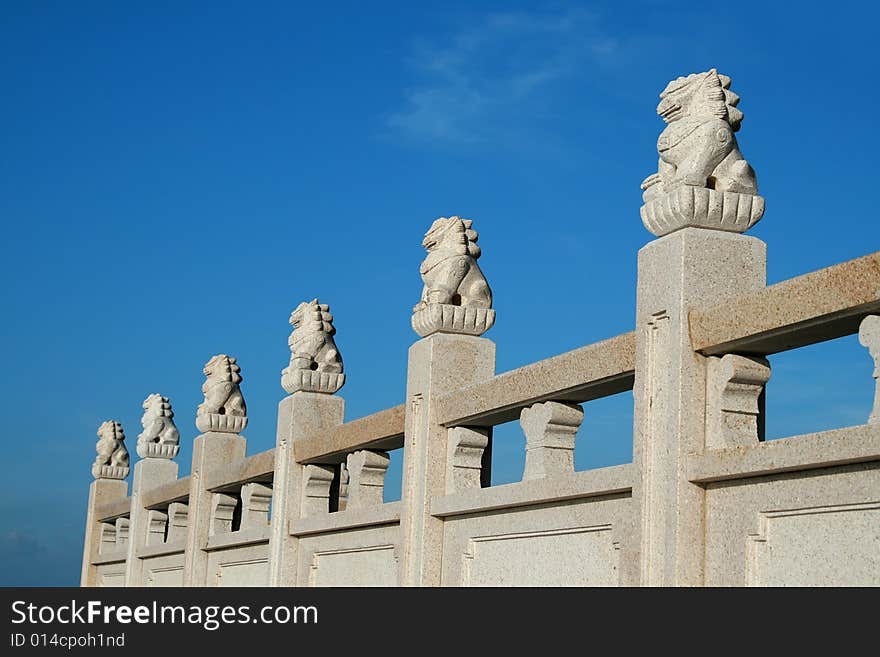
x=456 y=298
x=223 y=409
x=315 y=362
x=702 y=180
x=112 y=461
x=160 y=437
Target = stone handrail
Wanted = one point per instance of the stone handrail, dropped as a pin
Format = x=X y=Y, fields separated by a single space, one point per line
x=705 y=501
x=113 y=510
x=175 y=491
x=590 y=372
x=257 y=467
x=822 y=305
x=382 y=430
x=859 y=444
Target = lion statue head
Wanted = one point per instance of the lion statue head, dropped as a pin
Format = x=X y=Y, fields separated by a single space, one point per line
x=221 y=368
x=452 y=236
x=312 y=317
x=700 y=95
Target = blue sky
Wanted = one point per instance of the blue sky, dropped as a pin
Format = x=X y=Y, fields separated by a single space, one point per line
x=176 y=177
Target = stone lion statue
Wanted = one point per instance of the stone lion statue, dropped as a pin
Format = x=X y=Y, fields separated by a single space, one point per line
x=158 y=423
x=222 y=393
x=312 y=346
x=450 y=272
x=698 y=146
x=110 y=447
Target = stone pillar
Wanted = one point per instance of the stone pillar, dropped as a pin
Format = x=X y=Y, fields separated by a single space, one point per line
x=148 y=474
x=312 y=377
x=221 y=416
x=455 y=308
x=109 y=470
x=299 y=415
x=157 y=445
x=687 y=268
x=702 y=196
x=438 y=365
x=101 y=491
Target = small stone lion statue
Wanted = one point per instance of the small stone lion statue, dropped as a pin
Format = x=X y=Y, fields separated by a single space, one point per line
x=698 y=146
x=450 y=272
x=159 y=427
x=311 y=342
x=222 y=393
x=111 y=449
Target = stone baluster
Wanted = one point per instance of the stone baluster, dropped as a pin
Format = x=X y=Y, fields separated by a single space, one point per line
x=255 y=502
x=550 y=429
x=366 y=478
x=869 y=337
x=469 y=458
x=317 y=480
x=734 y=385
x=222 y=513
x=123 y=527
x=178 y=513
x=157 y=524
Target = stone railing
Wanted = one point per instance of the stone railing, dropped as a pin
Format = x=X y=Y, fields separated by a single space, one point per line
x=705 y=501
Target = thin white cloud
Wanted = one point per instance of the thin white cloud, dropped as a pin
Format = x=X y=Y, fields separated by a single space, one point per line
x=487 y=82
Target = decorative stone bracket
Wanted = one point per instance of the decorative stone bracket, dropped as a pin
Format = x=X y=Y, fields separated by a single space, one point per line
x=107 y=537
x=122 y=525
x=550 y=429
x=317 y=480
x=466 y=447
x=342 y=493
x=733 y=386
x=869 y=336
x=157 y=521
x=222 y=513
x=255 y=501
x=366 y=478
x=178 y=516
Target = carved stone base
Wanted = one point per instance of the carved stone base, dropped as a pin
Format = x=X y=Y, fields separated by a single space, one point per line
x=702 y=208
x=221 y=423
x=157 y=451
x=109 y=472
x=445 y=318
x=311 y=381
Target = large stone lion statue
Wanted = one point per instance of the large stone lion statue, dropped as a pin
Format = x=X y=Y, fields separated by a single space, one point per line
x=222 y=393
x=110 y=447
x=311 y=342
x=158 y=423
x=450 y=272
x=698 y=146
